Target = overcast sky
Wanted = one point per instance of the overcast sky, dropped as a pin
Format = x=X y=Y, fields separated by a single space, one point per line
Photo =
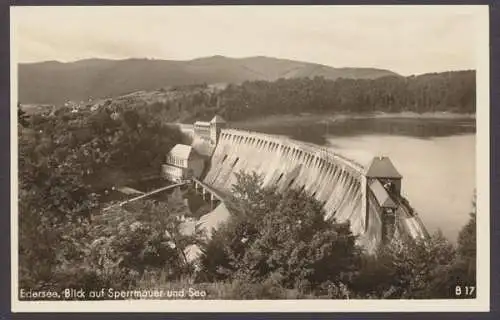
x=404 y=39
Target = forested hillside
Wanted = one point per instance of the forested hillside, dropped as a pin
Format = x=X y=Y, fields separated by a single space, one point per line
x=449 y=91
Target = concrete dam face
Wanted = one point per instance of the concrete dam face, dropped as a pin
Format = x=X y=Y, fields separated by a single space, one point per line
x=368 y=196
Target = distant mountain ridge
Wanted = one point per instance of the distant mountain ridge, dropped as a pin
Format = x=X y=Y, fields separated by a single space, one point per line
x=54 y=82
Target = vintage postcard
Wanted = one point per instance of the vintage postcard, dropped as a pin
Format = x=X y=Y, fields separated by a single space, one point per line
x=250 y=158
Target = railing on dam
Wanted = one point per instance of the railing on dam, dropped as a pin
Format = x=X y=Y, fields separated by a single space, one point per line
x=322 y=152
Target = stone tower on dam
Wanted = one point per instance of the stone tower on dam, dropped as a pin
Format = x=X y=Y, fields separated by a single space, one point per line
x=367 y=195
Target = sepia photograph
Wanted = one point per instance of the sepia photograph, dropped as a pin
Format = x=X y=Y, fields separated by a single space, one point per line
x=250 y=158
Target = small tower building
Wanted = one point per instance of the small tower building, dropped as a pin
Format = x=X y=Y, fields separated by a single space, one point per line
x=384 y=182
x=216 y=125
x=382 y=169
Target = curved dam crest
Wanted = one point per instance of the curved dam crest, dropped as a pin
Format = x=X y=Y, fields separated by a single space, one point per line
x=349 y=191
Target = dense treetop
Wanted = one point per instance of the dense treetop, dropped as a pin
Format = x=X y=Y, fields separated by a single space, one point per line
x=449 y=91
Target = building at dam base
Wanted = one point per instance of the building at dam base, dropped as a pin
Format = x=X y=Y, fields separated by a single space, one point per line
x=366 y=195
x=182 y=163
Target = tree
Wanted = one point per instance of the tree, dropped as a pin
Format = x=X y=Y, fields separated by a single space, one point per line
x=52 y=195
x=423 y=269
x=464 y=270
x=63 y=161
x=22 y=117
x=121 y=245
x=467 y=237
x=407 y=270
x=280 y=236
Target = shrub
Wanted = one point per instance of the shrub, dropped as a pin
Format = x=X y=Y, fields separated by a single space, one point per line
x=283 y=236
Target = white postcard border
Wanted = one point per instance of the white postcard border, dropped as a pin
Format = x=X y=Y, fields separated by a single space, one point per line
x=481 y=303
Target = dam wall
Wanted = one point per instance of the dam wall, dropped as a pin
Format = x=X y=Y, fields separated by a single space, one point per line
x=336 y=182
x=349 y=191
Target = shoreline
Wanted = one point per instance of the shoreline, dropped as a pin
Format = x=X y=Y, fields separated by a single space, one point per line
x=293 y=118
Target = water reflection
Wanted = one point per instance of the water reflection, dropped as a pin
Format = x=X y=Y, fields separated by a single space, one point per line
x=317 y=131
x=439 y=185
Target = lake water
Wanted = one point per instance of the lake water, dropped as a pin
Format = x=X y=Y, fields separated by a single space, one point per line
x=435 y=156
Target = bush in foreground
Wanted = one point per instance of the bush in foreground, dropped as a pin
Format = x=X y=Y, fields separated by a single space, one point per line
x=281 y=237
